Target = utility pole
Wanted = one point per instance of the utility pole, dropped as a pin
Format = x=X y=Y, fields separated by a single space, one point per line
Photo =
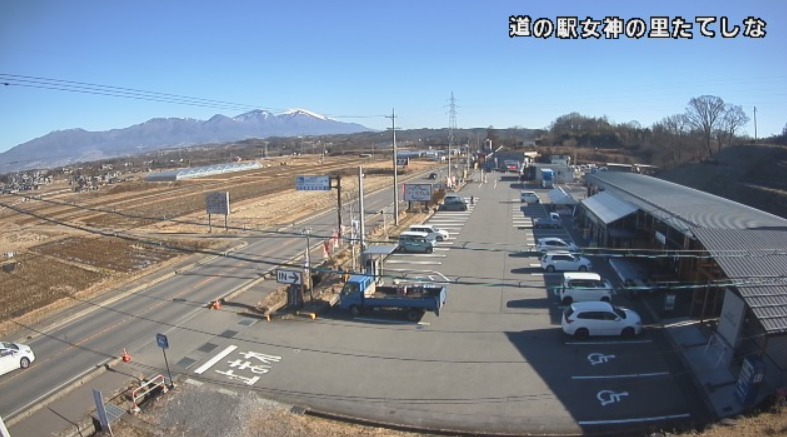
x=338 y=179
x=451 y=128
x=307 y=265
x=395 y=169
x=361 y=226
x=755 y=125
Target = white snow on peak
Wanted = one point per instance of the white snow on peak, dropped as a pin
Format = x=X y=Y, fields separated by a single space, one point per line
x=304 y=112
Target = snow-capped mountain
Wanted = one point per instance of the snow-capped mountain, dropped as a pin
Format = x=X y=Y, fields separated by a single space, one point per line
x=75 y=145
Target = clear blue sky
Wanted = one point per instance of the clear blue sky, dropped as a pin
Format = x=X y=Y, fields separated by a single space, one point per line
x=343 y=58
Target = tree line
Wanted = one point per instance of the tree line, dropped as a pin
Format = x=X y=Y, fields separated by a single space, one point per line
x=707 y=125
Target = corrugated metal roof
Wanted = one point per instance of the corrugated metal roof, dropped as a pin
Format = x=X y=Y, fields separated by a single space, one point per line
x=559 y=196
x=757 y=261
x=608 y=207
x=685 y=207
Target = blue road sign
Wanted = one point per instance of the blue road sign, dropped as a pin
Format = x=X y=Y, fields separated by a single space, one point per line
x=162 y=341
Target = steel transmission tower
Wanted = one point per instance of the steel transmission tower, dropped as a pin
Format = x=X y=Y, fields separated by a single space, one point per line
x=451 y=128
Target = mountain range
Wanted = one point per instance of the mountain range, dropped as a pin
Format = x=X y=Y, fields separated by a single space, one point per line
x=66 y=147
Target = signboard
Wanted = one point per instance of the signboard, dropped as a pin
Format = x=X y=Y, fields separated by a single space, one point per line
x=313 y=183
x=731 y=320
x=162 y=341
x=218 y=203
x=289 y=277
x=101 y=411
x=417 y=192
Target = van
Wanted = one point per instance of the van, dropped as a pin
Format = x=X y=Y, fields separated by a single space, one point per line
x=584 y=287
x=410 y=241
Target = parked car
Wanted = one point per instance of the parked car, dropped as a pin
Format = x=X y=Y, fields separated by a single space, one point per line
x=410 y=241
x=434 y=232
x=551 y=244
x=432 y=175
x=453 y=202
x=553 y=221
x=15 y=356
x=529 y=197
x=583 y=319
x=584 y=286
x=564 y=261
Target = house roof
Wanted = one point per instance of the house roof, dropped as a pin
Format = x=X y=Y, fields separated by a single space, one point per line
x=682 y=207
x=607 y=207
x=756 y=262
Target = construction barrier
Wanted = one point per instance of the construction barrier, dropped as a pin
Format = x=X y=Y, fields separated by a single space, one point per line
x=138 y=394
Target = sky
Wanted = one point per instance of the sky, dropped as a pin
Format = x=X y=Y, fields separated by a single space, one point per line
x=357 y=61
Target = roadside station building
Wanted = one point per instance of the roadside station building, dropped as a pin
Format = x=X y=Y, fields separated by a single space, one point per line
x=731 y=259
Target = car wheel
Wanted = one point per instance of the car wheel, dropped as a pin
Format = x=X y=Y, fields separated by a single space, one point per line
x=583 y=268
x=24 y=363
x=550 y=268
x=566 y=300
x=581 y=334
x=429 y=250
x=627 y=332
x=355 y=311
x=414 y=315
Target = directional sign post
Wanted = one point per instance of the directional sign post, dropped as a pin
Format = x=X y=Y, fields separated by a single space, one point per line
x=289 y=276
x=163 y=343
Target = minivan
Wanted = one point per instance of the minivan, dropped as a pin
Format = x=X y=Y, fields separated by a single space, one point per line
x=583 y=287
x=416 y=242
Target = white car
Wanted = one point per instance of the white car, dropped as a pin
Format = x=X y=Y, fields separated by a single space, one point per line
x=551 y=244
x=529 y=197
x=583 y=319
x=15 y=356
x=564 y=261
x=434 y=232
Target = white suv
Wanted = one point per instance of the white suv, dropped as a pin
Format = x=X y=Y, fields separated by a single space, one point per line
x=564 y=261
x=583 y=319
x=434 y=232
x=551 y=244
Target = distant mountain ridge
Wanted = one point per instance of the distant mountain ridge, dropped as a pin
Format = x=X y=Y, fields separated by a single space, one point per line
x=69 y=146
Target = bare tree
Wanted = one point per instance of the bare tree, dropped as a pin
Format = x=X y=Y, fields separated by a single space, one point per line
x=733 y=119
x=704 y=113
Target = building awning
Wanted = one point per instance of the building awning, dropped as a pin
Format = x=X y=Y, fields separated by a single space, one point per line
x=380 y=250
x=608 y=208
x=559 y=196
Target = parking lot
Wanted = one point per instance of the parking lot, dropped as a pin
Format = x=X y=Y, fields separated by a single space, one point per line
x=495 y=360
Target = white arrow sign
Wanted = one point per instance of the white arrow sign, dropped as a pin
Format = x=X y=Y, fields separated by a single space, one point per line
x=288 y=277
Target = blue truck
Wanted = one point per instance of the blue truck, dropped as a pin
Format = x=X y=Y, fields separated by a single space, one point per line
x=547 y=178
x=360 y=293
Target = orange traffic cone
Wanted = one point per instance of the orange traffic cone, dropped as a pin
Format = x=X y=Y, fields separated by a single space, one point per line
x=216 y=304
x=125 y=357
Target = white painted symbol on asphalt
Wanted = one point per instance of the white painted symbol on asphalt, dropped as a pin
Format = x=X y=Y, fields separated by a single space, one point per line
x=597 y=358
x=610 y=397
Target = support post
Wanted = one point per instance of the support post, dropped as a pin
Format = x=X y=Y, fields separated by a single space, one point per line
x=362 y=226
x=338 y=179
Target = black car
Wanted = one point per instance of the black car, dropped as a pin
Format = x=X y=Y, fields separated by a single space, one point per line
x=433 y=176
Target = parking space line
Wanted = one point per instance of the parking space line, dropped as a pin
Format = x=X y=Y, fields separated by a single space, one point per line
x=621 y=376
x=596 y=343
x=393 y=261
x=633 y=420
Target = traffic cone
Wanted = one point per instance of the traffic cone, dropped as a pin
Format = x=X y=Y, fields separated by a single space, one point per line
x=217 y=304
x=125 y=357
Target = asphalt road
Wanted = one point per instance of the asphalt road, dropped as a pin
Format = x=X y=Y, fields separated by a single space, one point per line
x=495 y=360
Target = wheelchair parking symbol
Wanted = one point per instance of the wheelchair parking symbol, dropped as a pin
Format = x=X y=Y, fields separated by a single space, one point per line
x=607 y=397
x=597 y=358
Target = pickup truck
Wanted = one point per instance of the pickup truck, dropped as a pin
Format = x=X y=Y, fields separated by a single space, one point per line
x=361 y=293
x=553 y=221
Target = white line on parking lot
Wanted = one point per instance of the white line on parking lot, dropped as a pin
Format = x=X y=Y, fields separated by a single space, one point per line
x=216 y=358
x=393 y=261
x=633 y=420
x=529 y=265
x=447 y=243
x=595 y=343
x=622 y=376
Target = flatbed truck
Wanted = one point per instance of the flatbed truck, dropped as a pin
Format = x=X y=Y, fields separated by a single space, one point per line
x=360 y=293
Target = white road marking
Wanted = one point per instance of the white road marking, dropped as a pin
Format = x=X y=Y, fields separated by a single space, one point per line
x=216 y=358
x=633 y=420
x=393 y=261
x=420 y=255
x=621 y=376
x=595 y=343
